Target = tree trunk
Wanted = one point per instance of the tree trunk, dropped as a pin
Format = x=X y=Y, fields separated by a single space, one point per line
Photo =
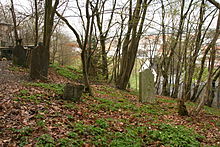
x=36 y=22
x=130 y=45
x=104 y=59
x=218 y=94
x=208 y=85
x=48 y=27
x=14 y=23
x=103 y=35
x=43 y=50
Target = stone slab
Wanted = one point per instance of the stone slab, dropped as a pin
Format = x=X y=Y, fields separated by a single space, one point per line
x=146 y=86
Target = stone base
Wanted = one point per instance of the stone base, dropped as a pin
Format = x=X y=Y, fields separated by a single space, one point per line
x=73 y=92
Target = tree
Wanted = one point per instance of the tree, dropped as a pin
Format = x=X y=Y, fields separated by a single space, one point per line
x=131 y=41
x=85 y=42
x=211 y=68
x=215 y=3
x=104 y=33
x=36 y=22
x=43 y=52
x=14 y=22
x=48 y=28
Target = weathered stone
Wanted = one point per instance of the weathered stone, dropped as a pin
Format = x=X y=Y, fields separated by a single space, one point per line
x=73 y=92
x=39 y=63
x=182 y=111
x=6 y=52
x=146 y=86
x=19 y=56
x=35 y=68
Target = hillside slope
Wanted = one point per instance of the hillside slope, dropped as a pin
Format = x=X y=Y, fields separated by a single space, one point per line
x=33 y=113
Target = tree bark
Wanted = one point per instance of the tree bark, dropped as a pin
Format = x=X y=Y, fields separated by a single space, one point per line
x=14 y=22
x=48 y=27
x=130 y=45
x=103 y=36
x=44 y=49
x=208 y=85
x=36 y=22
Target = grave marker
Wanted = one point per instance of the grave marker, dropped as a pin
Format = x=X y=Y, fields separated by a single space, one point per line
x=146 y=86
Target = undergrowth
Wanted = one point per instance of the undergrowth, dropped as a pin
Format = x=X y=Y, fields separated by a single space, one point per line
x=57 y=88
x=68 y=72
x=169 y=135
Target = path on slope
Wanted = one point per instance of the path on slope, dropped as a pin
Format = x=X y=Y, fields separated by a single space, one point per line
x=9 y=79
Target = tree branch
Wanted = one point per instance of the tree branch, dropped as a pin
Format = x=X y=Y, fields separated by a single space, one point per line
x=215 y=3
x=71 y=28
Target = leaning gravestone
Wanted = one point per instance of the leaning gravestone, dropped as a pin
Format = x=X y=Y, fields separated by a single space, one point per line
x=146 y=86
x=19 y=55
x=73 y=92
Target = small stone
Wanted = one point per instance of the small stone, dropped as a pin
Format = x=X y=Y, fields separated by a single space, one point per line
x=73 y=92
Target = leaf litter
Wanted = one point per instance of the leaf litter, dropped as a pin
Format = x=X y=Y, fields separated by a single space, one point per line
x=42 y=111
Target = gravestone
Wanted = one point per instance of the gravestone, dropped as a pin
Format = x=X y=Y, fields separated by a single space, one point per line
x=73 y=92
x=19 y=55
x=6 y=52
x=35 y=68
x=146 y=86
x=39 y=62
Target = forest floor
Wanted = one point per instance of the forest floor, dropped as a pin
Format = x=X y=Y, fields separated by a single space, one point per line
x=33 y=113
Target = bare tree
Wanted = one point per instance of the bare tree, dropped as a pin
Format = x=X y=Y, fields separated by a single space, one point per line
x=211 y=68
x=14 y=22
x=36 y=22
x=85 y=42
x=131 y=41
x=104 y=33
x=215 y=3
x=40 y=69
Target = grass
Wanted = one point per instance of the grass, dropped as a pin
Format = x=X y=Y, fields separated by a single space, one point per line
x=22 y=135
x=105 y=132
x=69 y=105
x=120 y=102
x=68 y=72
x=99 y=135
x=133 y=136
x=169 y=135
x=212 y=111
x=17 y=68
x=24 y=131
x=57 y=88
x=26 y=95
x=45 y=140
x=111 y=118
x=167 y=100
x=39 y=97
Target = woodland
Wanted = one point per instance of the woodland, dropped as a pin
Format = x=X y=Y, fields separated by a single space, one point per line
x=70 y=73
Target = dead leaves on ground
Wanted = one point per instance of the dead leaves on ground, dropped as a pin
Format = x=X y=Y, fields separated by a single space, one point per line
x=44 y=112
